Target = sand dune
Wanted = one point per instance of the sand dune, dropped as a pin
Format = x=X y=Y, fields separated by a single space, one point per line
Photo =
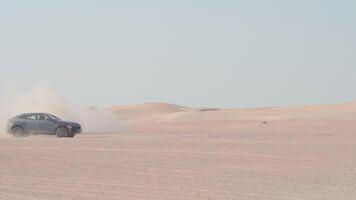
x=162 y=111
x=146 y=110
x=161 y=116
x=174 y=152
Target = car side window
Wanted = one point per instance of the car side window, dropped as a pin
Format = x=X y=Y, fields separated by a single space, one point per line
x=41 y=117
x=31 y=117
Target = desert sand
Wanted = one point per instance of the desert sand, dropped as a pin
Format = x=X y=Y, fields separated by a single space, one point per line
x=176 y=152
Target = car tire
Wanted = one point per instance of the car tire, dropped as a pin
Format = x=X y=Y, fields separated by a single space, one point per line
x=62 y=132
x=17 y=131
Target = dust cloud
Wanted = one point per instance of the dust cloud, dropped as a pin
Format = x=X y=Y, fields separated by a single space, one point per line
x=43 y=98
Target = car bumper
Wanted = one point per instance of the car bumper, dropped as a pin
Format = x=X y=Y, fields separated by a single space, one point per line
x=75 y=129
x=8 y=128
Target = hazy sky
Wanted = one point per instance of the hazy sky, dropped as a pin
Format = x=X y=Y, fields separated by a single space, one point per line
x=190 y=52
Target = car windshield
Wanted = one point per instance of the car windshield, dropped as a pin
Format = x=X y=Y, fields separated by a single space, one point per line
x=53 y=117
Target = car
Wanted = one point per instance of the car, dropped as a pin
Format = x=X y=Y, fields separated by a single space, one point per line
x=41 y=123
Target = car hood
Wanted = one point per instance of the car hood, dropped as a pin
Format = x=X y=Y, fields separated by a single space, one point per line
x=69 y=123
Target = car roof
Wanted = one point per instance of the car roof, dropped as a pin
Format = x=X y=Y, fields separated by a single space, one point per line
x=35 y=114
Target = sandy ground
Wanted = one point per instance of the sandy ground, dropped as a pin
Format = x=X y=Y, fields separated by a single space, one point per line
x=174 y=152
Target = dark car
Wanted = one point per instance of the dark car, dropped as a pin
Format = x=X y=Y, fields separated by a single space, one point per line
x=42 y=123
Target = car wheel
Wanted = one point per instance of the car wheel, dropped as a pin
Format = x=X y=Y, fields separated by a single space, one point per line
x=62 y=132
x=18 y=131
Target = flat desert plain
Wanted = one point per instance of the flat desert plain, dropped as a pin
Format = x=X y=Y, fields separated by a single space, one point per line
x=174 y=152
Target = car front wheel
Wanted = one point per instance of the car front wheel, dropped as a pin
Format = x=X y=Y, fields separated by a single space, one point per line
x=62 y=132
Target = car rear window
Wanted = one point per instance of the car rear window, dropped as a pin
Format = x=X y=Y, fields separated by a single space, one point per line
x=21 y=116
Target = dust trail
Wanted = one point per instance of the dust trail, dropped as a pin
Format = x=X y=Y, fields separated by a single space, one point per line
x=43 y=98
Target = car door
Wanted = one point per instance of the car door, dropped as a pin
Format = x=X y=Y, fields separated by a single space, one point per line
x=45 y=124
x=31 y=123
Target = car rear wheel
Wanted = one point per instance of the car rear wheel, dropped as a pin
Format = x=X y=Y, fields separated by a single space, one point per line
x=62 y=132
x=18 y=132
